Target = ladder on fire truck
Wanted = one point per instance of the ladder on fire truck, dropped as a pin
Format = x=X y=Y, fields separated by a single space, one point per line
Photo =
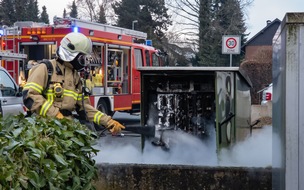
x=9 y=35
x=69 y=21
x=8 y=53
x=7 y=56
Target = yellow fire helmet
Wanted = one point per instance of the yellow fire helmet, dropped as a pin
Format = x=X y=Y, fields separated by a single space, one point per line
x=73 y=44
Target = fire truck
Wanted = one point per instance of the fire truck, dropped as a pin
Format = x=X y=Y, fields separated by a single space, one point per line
x=113 y=79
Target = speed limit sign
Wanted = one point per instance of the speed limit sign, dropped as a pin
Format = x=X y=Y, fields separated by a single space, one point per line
x=231 y=45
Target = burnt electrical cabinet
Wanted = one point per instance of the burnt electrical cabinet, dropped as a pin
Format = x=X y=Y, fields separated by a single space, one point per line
x=197 y=100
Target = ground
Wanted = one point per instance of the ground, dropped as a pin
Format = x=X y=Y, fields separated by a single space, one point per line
x=264 y=121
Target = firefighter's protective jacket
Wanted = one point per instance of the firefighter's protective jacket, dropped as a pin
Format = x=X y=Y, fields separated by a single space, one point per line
x=49 y=104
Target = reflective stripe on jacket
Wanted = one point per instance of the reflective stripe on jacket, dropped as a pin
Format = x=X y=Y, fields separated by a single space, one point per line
x=49 y=104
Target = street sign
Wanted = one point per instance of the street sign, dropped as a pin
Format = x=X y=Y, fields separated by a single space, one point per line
x=231 y=45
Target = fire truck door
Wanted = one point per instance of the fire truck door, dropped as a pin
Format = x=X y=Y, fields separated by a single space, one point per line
x=138 y=62
x=225 y=109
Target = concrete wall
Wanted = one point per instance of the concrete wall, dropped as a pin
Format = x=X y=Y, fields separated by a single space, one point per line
x=259 y=111
x=171 y=177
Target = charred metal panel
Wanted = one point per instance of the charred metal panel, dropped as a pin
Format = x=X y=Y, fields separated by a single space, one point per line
x=179 y=101
x=195 y=100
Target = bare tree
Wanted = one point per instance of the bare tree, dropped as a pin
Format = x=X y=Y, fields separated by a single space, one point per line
x=185 y=14
x=90 y=9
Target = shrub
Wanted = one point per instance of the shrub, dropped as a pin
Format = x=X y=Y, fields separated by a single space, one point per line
x=260 y=74
x=46 y=153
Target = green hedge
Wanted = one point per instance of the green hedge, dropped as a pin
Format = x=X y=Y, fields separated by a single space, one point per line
x=46 y=153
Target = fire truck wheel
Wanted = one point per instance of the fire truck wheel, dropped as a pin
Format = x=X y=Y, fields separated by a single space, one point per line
x=104 y=108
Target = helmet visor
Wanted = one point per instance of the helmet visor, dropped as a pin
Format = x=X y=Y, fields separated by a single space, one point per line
x=66 y=55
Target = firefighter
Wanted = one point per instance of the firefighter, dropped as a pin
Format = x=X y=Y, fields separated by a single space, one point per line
x=64 y=92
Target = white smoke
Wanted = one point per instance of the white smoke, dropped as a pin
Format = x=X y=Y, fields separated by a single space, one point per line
x=187 y=150
x=255 y=151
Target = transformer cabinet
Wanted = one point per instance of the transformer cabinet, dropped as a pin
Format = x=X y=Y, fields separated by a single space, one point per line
x=196 y=100
x=288 y=103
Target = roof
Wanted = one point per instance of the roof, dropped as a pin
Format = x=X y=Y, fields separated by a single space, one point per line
x=165 y=70
x=265 y=36
x=188 y=68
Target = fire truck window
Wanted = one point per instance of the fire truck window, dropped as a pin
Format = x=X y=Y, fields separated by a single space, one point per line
x=115 y=70
x=53 y=49
x=97 y=55
x=155 y=60
x=37 y=52
x=138 y=58
x=97 y=73
x=125 y=81
x=7 y=86
x=147 y=58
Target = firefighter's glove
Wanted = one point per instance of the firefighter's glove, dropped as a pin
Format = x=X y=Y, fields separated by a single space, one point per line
x=59 y=115
x=114 y=126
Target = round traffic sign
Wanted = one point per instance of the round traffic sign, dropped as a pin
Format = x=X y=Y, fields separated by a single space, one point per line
x=231 y=43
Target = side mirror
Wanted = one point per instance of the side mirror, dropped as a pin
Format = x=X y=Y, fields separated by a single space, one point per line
x=19 y=92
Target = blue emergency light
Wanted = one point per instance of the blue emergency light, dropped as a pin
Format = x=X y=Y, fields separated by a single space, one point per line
x=75 y=29
x=149 y=42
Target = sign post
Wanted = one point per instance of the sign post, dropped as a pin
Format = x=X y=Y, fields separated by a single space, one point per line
x=231 y=45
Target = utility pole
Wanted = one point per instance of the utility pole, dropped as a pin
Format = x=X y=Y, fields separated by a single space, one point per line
x=133 y=23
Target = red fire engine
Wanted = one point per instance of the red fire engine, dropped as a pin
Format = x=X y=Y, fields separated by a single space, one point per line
x=114 y=79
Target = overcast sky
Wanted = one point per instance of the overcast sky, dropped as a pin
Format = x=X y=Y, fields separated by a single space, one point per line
x=257 y=14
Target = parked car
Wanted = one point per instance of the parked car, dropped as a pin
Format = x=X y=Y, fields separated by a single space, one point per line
x=11 y=101
x=267 y=94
